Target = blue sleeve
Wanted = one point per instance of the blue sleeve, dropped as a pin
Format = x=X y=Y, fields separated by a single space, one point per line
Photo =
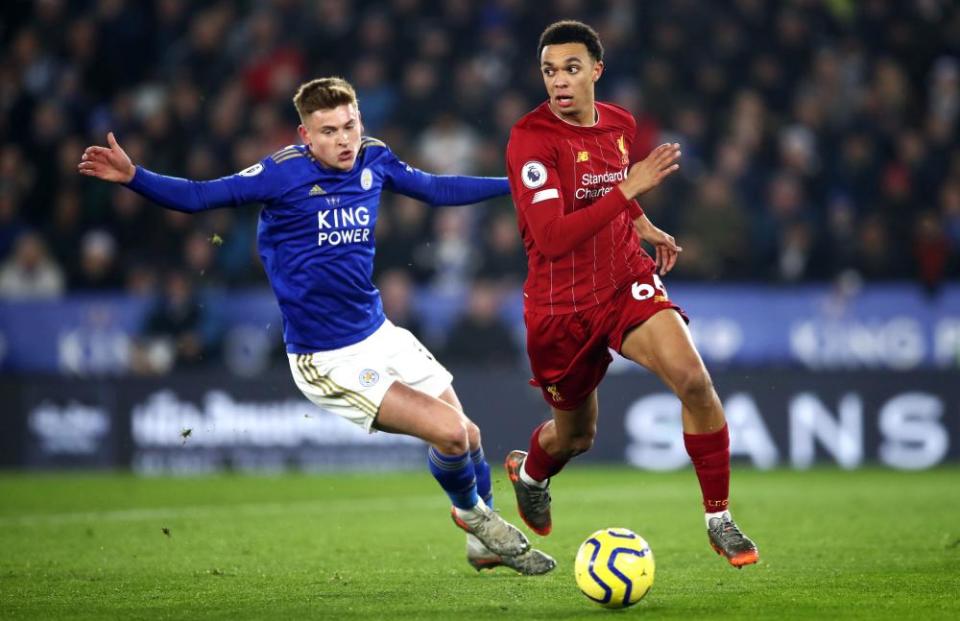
x=248 y=186
x=440 y=189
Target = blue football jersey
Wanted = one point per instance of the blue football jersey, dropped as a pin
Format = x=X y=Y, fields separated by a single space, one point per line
x=316 y=230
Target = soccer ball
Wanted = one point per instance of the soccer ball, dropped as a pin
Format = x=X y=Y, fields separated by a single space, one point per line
x=614 y=567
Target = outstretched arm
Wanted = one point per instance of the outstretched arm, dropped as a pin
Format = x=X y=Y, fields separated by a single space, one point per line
x=443 y=189
x=112 y=164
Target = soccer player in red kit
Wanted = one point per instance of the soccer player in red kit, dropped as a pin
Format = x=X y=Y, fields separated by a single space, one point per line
x=591 y=286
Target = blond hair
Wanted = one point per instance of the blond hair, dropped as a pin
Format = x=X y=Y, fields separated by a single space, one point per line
x=323 y=94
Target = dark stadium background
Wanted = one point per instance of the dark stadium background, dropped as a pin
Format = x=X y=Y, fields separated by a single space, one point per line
x=818 y=206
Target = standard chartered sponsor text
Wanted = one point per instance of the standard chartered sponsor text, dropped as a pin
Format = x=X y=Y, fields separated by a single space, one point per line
x=585 y=191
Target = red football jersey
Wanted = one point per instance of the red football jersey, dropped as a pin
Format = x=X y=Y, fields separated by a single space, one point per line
x=577 y=226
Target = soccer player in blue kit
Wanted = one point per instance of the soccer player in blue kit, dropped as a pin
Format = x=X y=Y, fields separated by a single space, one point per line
x=315 y=238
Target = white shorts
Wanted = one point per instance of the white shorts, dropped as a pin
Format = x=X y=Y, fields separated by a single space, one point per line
x=352 y=381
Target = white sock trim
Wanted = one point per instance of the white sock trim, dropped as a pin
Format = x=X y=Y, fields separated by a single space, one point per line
x=529 y=480
x=718 y=514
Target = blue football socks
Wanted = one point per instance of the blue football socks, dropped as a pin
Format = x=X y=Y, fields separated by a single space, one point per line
x=455 y=474
x=482 y=471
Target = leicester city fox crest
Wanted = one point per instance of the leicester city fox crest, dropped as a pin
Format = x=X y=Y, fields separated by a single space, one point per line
x=369 y=377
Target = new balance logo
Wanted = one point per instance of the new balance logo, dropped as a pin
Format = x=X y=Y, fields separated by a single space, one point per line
x=583 y=156
x=317 y=191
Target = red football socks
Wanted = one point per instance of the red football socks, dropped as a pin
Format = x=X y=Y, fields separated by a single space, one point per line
x=710 y=454
x=539 y=464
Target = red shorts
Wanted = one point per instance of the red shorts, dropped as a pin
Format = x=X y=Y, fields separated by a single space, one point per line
x=569 y=354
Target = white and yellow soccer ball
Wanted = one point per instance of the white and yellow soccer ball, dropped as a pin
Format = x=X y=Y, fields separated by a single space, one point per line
x=614 y=567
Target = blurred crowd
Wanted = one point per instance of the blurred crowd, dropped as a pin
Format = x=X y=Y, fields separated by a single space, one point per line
x=819 y=137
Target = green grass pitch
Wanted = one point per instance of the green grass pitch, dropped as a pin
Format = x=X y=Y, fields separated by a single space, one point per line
x=868 y=544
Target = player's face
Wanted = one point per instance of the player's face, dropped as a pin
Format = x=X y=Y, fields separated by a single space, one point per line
x=333 y=136
x=569 y=73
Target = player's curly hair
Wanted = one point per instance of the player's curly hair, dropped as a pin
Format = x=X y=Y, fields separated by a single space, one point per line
x=571 y=31
x=323 y=94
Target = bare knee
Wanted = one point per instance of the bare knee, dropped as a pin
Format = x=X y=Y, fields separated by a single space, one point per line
x=453 y=438
x=694 y=387
x=473 y=435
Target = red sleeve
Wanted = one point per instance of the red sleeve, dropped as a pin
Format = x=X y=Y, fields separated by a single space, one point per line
x=634 y=209
x=538 y=195
x=557 y=233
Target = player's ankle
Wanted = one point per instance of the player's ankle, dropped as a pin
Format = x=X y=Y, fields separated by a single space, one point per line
x=473 y=513
x=529 y=480
x=724 y=513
